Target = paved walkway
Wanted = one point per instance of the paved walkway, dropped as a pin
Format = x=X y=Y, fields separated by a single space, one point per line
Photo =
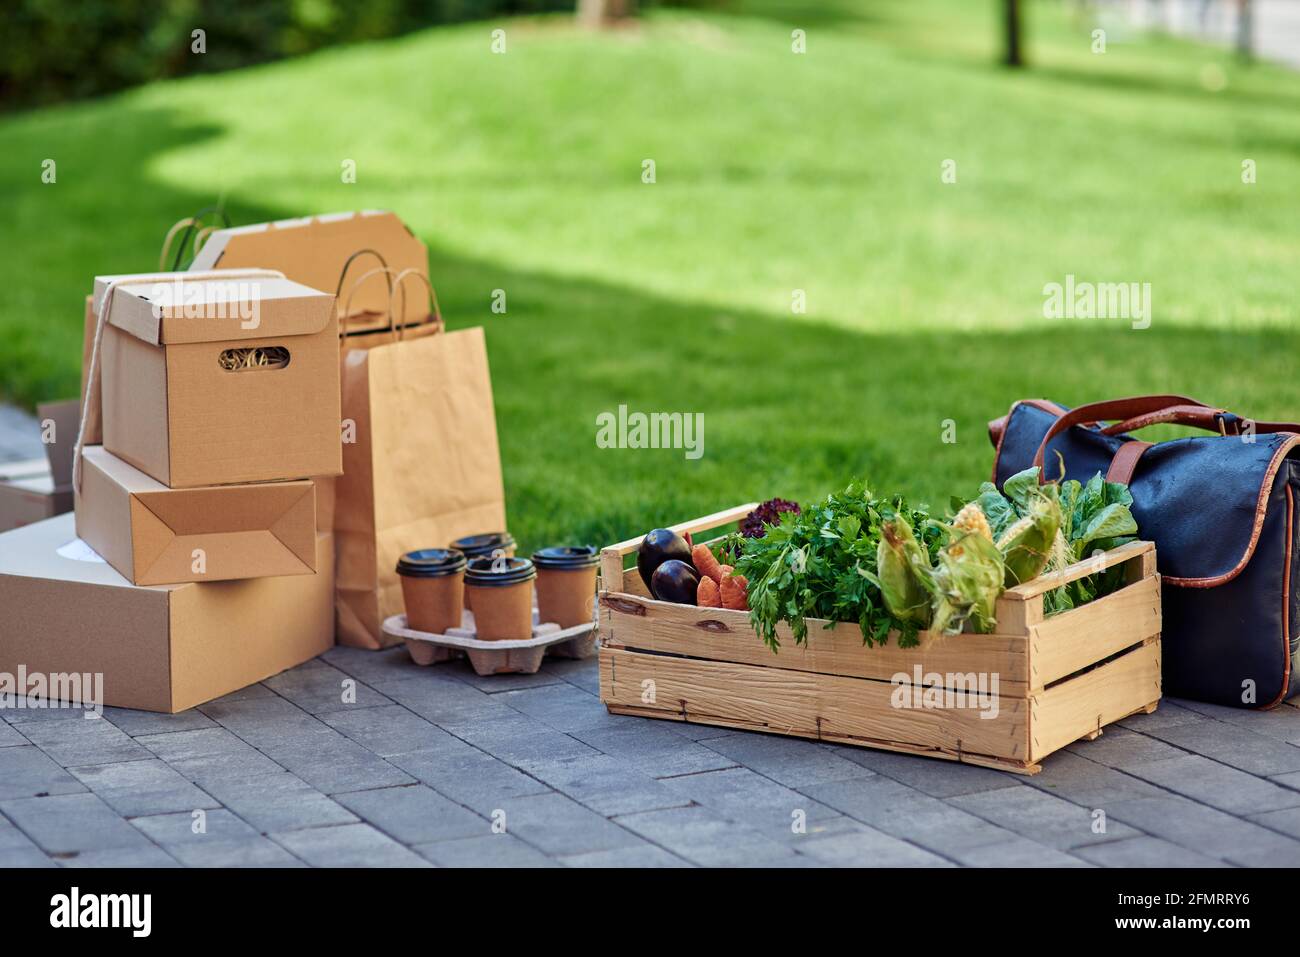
x=438 y=766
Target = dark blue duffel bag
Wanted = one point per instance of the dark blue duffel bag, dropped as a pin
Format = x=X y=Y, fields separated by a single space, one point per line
x=1222 y=511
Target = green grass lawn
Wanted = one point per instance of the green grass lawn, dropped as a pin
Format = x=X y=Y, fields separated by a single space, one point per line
x=775 y=172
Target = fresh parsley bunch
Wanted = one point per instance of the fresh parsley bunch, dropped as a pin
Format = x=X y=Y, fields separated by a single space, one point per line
x=820 y=563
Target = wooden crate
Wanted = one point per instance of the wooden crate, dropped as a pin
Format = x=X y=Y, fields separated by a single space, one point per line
x=1059 y=679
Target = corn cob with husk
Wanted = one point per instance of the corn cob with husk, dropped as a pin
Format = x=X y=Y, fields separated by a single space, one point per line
x=903 y=570
x=1027 y=544
x=968 y=582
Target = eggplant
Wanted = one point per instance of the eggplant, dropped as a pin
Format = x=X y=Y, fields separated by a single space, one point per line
x=658 y=547
x=676 y=581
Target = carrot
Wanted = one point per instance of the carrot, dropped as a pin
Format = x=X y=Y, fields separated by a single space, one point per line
x=708 y=595
x=706 y=564
x=735 y=592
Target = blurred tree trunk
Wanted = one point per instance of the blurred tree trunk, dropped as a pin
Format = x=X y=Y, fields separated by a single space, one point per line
x=1011 y=11
x=599 y=13
x=1245 y=30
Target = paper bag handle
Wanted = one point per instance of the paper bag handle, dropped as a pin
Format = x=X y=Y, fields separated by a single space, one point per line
x=101 y=320
x=343 y=274
x=188 y=223
x=433 y=294
x=171 y=234
x=347 y=303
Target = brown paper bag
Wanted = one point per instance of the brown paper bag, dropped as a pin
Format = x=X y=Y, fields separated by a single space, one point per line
x=421 y=465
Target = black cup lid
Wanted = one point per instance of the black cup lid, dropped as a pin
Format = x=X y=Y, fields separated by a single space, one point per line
x=430 y=563
x=566 y=557
x=493 y=572
x=475 y=546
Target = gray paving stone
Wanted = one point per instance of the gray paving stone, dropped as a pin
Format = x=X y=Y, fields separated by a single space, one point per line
x=27 y=772
x=318 y=687
x=486 y=850
x=1235 y=746
x=1168 y=715
x=25 y=857
x=10 y=737
x=18 y=850
x=906 y=813
x=1286 y=820
x=521 y=742
x=144 y=855
x=789 y=761
x=136 y=788
x=704 y=837
x=415 y=814
x=496 y=684
x=279 y=802
x=936 y=778
x=218 y=825
x=1043 y=818
x=370 y=666
x=184 y=745
x=338 y=764
x=654 y=750
x=269 y=723
x=225 y=770
x=1217 y=785
x=748 y=798
x=1085 y=782
x=444 y=701
x=562 y=706
x=226 y=841
x=1281 y=723
x=389 y=729
x=71 y=823
x=557 y=825
x=251 y=852
x=89 y=741
x=21 y=710
x=1144 y=851
x=866 y=847
x=581 y=674
x=607 y=785
x=1122 y=748
x=1207 y=831
x=638 y=855
x=469 y=777
x=1018 y=852
x=136 y=723
x=348 y=845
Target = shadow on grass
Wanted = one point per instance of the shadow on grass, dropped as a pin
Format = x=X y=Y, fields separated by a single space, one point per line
x=791 y=407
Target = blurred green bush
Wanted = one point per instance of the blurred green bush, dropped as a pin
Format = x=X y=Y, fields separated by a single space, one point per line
x=51 y=50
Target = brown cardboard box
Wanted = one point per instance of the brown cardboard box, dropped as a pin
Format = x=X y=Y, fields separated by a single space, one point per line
x=155 y=535
x=41 y=488
x=173 y=411
x=164 y=648
x=313 y=251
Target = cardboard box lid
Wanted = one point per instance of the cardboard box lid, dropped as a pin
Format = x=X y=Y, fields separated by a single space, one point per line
x=241 y=522
x=314 y=249
x=51 y=550
x=179 y=310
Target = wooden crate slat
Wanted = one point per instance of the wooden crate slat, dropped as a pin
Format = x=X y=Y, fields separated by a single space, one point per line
x=809 y=704
x=1069 y=642
x=1081 y=569
x=721 y=634
x=1080 y=706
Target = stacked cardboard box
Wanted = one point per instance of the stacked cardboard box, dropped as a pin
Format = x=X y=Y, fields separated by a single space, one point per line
x=196 y=566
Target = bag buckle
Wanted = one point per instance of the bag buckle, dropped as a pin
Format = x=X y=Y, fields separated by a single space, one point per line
x=1227 y=421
